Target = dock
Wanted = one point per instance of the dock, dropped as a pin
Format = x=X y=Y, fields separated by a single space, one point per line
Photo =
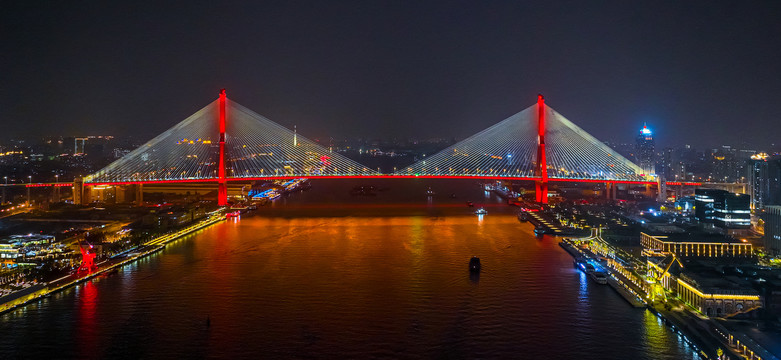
x=615 y=280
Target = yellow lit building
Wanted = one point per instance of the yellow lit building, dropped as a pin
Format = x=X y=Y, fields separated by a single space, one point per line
x=702 y=245
x=713 y=295
x=716 y=300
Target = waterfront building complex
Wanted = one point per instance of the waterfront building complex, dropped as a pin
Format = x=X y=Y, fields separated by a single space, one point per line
x=704 y=289
x=722 y=208
x=699 y=245
x=716 y=296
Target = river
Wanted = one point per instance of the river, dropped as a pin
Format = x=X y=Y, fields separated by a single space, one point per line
x=323 y=274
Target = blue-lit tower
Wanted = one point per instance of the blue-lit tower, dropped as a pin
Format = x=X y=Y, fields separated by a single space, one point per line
x=644 y=150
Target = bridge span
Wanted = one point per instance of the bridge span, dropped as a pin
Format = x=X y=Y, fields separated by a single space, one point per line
x=226 y=142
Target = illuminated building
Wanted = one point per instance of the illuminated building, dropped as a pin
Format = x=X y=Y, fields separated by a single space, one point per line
x=696 y=245
x=716 y=296
x=703 y=204
x=722 y=208
x=78 y=145
x=644 y=150
x=772 y=218
x=16 y=246
x=764 y=180
x=705 y=289
x=774 y=181
x=8 y=251
x=757 y=179
x=668 y=168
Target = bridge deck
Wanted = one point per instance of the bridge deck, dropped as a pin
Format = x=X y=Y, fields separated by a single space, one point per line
x=386 y=176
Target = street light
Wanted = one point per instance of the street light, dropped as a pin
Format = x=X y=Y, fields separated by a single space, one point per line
x=29 y=182
x=56 y=188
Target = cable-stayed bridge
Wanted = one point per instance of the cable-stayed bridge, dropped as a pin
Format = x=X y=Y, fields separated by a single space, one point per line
x=225 y=142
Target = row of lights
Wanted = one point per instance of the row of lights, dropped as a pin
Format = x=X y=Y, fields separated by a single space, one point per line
x=30 y=179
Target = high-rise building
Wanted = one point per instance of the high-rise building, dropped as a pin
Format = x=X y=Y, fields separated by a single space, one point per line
x=774 y=181
x=722 y=208
x=667 y=165
x=757 y=179
x=722 y=165
x=644 y=150
x=772 y=218
x=763 y=175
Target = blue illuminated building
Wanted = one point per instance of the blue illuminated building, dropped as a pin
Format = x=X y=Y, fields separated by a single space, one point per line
x=644 y=151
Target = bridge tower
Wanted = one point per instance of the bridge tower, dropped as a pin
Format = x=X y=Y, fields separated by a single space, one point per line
x=222 y=186
x=541 y=170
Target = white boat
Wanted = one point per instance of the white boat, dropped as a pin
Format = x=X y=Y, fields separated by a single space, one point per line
x=481 y=211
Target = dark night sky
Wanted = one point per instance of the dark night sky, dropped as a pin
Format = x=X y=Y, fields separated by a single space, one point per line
x=699 y=72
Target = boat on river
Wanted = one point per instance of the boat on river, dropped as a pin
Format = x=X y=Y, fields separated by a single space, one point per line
x=474 y=264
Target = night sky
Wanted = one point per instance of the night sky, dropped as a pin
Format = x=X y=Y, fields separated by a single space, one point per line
x=702 y=73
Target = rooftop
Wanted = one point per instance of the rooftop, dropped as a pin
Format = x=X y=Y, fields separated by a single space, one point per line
x=694 y=237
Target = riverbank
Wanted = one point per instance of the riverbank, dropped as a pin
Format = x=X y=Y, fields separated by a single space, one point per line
x=635 y=296
x=706 y=335
x=23 y=297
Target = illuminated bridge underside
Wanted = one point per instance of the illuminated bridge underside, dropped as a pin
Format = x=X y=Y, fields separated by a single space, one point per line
x=255 y=148
x=509 y=149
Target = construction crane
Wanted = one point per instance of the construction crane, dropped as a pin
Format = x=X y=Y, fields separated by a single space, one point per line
x=87 y=258
x=657 y=287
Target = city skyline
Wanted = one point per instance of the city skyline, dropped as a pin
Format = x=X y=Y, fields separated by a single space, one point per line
x=685 y=68
x=352 y=179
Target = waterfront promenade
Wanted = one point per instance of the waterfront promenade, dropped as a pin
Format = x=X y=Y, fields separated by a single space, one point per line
x=35 y=292
x=709 y=337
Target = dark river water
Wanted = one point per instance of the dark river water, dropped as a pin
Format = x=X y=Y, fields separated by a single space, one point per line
x=323 y=274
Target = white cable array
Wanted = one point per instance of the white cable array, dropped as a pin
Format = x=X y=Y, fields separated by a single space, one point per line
x=255 y=147
x=188 y=150
x=572 y=153
x=502 y=150
x=259 y=147
x=509 y=149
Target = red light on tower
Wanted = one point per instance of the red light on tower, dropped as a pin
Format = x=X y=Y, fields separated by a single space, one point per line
x=222 y=187
x=541 y=170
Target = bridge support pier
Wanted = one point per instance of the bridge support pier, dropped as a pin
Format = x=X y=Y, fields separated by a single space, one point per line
x=120 y=193
x=610 y=190
x=139 y=198
x=80 y=192
x=661 y=187
x=222 y=194
x=541 y=192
